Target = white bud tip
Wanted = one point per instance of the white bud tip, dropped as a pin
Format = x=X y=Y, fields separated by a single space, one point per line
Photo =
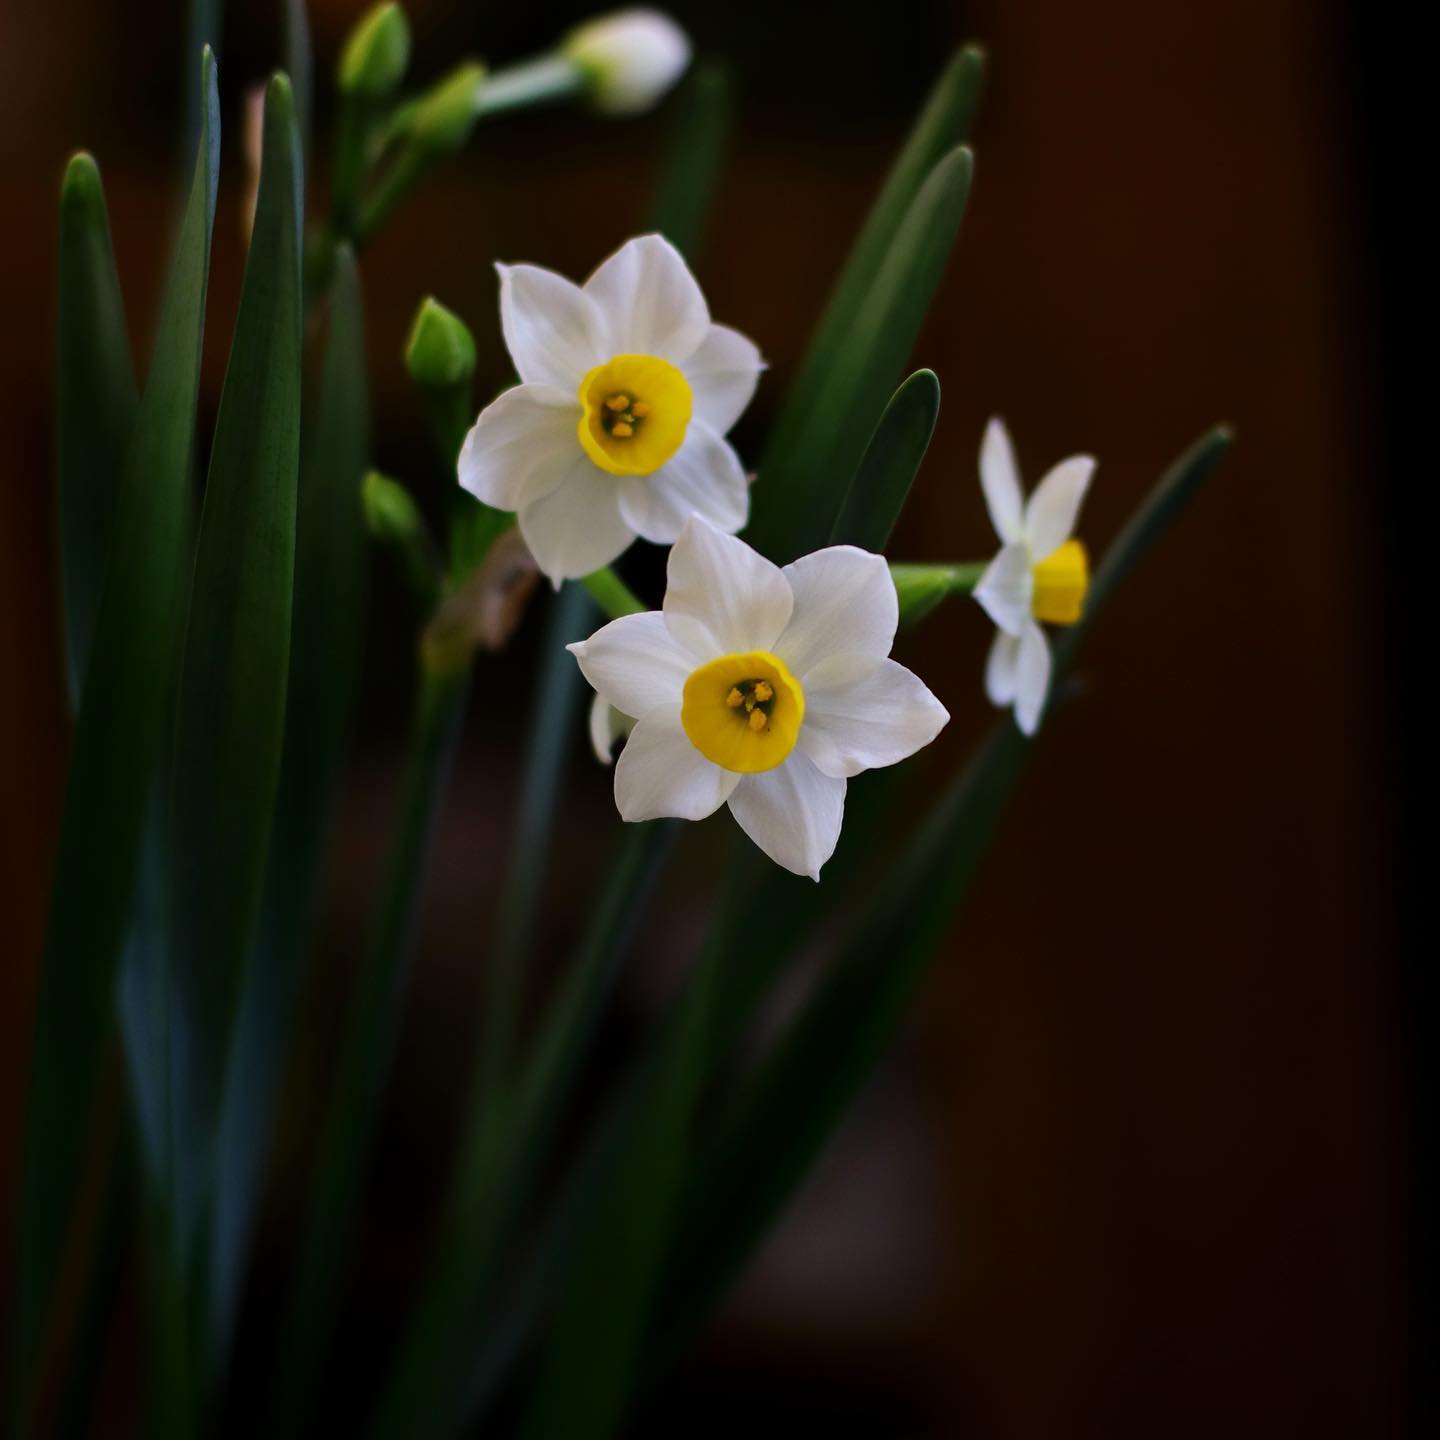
x=630 y=58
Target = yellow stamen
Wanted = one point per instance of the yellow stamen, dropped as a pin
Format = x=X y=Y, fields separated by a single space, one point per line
x=622 y=434
x=757 y=732
x=1060 y=583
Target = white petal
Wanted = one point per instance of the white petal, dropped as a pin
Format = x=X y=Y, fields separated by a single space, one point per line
x=1006 y=587
x=845 y=604
x=578 y=527
x=1032 y=677
x=521 y=446
x=607 y=725
x=722 y=596
x=860 y=723
x=1000 y=669
x=1050 y=516
x=649 y=301
x=634 y=663
x=1000 y=480
x=792 y=813
x=723 y=374
x=553 y=330
x=704 y=478
x=661 y=773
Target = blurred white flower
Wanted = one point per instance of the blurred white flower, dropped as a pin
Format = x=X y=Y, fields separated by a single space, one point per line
x=1039 y=574
x=629 y=58
x=618 y=427
x=761 y=687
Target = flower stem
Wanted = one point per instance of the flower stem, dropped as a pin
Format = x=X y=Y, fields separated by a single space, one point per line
x=922 y=587
x=612 y=594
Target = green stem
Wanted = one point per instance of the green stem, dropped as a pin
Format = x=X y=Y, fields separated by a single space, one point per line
x=612 y=594
x=922 y=587
x=366 y=1051
x=541 y=81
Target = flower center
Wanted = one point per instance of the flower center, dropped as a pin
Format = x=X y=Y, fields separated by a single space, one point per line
x=743 y=711
x=636 y=409
x=1061 y=581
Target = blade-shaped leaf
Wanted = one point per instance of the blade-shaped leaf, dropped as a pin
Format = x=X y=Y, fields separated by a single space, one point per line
x=324 y=659
x=95 y=401
x=503 y=1157
x=121 y=728
x=813 y=471
x=805 y=1087
x=792 y=478
x=371 y=1022
x=587 y=1370
x=231 y=704
x=878 y=491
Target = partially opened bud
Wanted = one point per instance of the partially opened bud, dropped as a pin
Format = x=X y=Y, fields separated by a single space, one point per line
x=629 y=59
x=441 y=351
x=375 y=57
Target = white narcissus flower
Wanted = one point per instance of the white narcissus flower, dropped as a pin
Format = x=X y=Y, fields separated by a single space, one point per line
x=618 y=427
x=629 y=58
x=761 y=687
x=1041 y=573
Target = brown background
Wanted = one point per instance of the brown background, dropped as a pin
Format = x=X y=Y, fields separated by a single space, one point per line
x=1141 y=1165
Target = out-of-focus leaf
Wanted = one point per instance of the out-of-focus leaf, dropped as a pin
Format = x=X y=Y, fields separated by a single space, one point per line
x=587 y=1369
x=324 y=658
x=503 y=1157
x=791 y=504
x=693 y=155
x=300 y=66
x=371 y=1023
x=231 y=707
x=121 y=730
x=799 y=1096
x=95 y=401
x=877 y=493
x=204 y=23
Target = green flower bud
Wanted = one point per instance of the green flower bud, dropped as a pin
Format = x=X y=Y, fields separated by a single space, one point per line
x=440 y=353
x=443 y=118
x=390 y=513
x=376 y=54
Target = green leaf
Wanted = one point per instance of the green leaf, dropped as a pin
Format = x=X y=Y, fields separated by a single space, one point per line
x=371 y=1022
x=95 y=401
x=790 y=504
x=693 y=156
x=805 y=1087
x=587 y=1370
x=231 y=706
x=505 y=1153
x=122 y=727
x=878 y=491
x=300 y=66
x=330 y=556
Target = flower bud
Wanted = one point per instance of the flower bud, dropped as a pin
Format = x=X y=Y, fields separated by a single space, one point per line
x=443 y=118
x=440 y=353
x=376 y=55
x=390 y=513
x=629 y=59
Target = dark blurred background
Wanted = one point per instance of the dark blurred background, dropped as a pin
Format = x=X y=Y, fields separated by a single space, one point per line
x=1143 y=1163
